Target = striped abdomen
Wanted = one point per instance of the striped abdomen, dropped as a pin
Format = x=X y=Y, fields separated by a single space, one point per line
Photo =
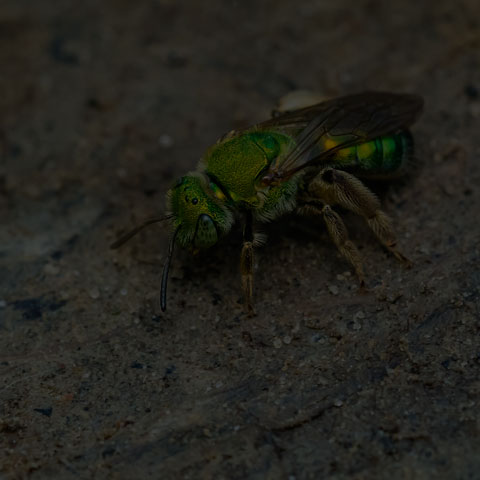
x=381 y=156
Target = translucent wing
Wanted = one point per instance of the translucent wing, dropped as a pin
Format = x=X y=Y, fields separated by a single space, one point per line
x=330 y=126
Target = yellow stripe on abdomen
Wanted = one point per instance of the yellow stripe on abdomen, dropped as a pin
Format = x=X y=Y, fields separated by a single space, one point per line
x=382 y=155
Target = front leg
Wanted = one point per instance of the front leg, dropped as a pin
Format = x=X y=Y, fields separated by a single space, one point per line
x=246 y=264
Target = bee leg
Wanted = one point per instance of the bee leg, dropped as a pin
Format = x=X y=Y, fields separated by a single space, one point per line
x=337 y=187
x=246 y=264
x=339 y=234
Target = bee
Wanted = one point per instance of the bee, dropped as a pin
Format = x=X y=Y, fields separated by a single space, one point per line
x=307 y=160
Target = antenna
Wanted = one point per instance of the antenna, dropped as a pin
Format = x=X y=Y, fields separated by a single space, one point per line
x=166 y=267
x=127 y=236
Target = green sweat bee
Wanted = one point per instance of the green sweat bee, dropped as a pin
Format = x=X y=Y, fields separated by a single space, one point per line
x=306 y=160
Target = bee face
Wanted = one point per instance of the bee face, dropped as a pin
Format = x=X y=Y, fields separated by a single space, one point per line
x=198 y=214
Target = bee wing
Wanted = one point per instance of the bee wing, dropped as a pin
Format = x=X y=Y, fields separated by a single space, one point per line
x=344 y=121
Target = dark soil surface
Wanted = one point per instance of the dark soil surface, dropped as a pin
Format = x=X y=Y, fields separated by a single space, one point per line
x=102 y=105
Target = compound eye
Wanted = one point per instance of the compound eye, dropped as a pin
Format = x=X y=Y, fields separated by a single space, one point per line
x=180 y=181
x=195 y=200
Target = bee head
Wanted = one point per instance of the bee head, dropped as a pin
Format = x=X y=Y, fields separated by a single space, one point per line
x=200 y=216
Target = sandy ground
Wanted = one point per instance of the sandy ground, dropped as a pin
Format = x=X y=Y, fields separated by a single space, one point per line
x=102 y=106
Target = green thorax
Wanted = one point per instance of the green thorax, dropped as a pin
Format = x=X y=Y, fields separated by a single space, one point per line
x=237 y=163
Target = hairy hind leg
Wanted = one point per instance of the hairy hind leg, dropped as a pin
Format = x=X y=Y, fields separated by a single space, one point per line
x=339 y=234
x=337 y=187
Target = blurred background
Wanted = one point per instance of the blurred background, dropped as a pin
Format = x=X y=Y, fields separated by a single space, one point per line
x=102 y=106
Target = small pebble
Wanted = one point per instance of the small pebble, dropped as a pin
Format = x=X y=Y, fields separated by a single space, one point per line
x=333 y=289
x=337 y=403
x=94 y=293
x=322 y=381
x=165 y=141
x=123 y=291
x=356 y=325
x=474 y=110
x=51 y=269
x=277 y=343
x=287 y=339
x=121 y=172
x=44 y=411
x=471 y=91
x=3 y=303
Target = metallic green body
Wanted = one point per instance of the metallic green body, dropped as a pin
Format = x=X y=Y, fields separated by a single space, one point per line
x=379 y=157
x=293 y=161
x=230 y=174
x=237 y=163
